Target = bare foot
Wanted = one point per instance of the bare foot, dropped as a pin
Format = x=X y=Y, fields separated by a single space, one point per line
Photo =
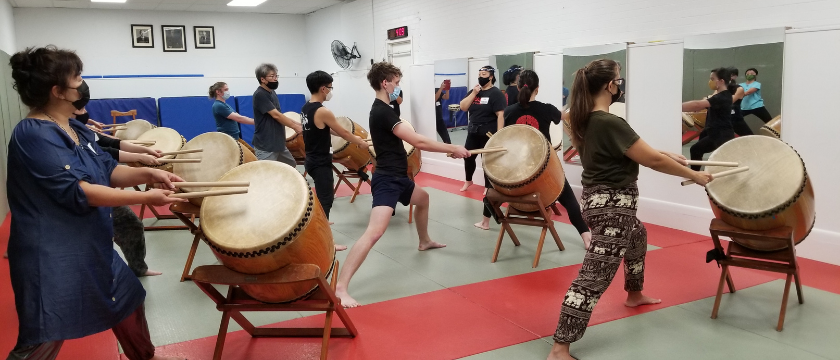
x=332 y=222
x=340 y=247
x=560 y=351
x=587 y=239
x=430 y=245
x=466 y=185
x=481 y=225
x=346 y=301
x=636 y=298
x=152 y=273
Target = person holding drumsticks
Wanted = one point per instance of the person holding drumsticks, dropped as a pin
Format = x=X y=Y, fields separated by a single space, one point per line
x=485 y=105
x=718 y=128
x=270 y=123
x=68 y=280
x=610 y=152
x=390 y=183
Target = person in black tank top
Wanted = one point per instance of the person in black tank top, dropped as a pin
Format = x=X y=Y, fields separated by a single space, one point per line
x=318 y=125
x=390 y=183
x=738 y=124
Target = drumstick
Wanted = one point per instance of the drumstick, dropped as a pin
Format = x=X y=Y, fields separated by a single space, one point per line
x=711 y=163
x=489 y=134
x=141 y=142
x=116 y=128
x=173 y=161
x=209 y=193
x=211 y=184
x=720 y=174
x=484 y=151
x=112 y=125
x=181 y=152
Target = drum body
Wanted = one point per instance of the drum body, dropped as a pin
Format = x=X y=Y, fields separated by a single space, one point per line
x=294 y=141
x=529 y=165
x=556 y=131
x=413 y=156
x=277 y=223
x=699 y=119
x=773 y=128
x=166 y=139
x=775 y=192
x=220 y=154
x=135 y=128
x=346 y=153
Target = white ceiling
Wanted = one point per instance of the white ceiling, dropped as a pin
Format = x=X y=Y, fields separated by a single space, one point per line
x=268 y=7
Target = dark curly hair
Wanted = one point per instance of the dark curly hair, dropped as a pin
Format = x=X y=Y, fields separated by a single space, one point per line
x=36 y=70
x=382 y=71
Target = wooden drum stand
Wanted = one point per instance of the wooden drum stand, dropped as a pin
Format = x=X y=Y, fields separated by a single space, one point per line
x=540 y=218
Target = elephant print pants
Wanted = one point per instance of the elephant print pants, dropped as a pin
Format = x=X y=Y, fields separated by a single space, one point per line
x=616 y=234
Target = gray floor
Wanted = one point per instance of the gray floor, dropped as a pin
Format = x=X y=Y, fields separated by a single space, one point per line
x=745 y=329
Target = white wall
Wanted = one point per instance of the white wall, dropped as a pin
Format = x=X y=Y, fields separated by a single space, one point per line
x=102 y=39
x=7 y=28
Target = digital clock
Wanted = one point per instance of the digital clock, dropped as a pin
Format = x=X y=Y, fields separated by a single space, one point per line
x=398 y=33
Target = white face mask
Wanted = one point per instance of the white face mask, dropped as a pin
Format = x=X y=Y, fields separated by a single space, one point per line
x=329 y=96
x=226 y=95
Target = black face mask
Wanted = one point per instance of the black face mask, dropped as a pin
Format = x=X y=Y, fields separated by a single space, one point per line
x=273 y=85
x=84 y=92
x=616 y=96
x=483 y=81
x=83 y=118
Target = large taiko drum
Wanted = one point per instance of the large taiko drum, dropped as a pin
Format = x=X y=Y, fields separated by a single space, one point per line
x=294 y=141
x=699 y=118
x=775 y=192
x=413 y=154
x=134 y=129
x=346 y=153
x=277 y=223
x=529 y=165
x=219 y=154
x=687 y=123
x=166 y=140
x=773 y=128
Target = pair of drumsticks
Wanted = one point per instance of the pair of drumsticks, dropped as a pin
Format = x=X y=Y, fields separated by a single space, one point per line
x=716 y=163
x=199 y=194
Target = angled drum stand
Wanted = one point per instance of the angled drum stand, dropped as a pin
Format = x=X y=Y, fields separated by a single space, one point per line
x=187 y=212
x=540 y=218
x=343 y=176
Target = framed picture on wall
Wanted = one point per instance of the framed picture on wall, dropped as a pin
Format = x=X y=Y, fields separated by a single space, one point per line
x=174 y=38
x=205 y=37
x=142 y=36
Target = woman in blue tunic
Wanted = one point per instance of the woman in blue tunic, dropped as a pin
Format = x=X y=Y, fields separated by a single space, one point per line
x=68 y=280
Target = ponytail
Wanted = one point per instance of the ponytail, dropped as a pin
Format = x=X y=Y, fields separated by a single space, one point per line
x=528 y=83
x=217 y=86
x=587 y=82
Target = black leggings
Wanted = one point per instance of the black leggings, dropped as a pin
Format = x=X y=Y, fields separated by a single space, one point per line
x=442 y=131
x=323 y=177
x=568 y=200
x=708 y=142
x=761 y=113
x=474 y=141
x=740 y=126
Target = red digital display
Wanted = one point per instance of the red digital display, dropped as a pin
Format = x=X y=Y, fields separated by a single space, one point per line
x=397 y=33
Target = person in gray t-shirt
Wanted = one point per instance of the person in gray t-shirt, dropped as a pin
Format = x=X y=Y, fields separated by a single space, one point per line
x=270 y=123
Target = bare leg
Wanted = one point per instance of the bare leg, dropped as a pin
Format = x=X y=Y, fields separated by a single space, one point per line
x=152 y=273
x=420 y=199
x=636 y=298
x=560 y=351
x=484 y=224
x=466 y=186
x=379 y=218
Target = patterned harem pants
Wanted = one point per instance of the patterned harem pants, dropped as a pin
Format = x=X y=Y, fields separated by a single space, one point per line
x=616 y=234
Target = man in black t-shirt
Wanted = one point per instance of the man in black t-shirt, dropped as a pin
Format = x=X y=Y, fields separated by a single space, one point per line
x=318 y=123
x=718 y=128
x=270 y=123
x=391 y=183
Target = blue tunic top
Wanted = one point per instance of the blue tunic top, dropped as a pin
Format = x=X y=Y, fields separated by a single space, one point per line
x=68 y=280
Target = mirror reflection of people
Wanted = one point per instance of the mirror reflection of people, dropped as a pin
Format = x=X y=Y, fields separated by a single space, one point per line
x=227 y=120
x=441 y=93
x=610 y=153
x=270 y=123
x=485 y=106
x=718 y=129
x=753 y=103
x=511 y=78
x=738 y=124
x=565 y=93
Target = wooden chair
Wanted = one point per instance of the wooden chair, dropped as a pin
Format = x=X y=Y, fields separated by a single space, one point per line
x=540 y=218
x=132 y=113
x=187 y=213
x=781 y=261
x=157 y=215
x=236 y=301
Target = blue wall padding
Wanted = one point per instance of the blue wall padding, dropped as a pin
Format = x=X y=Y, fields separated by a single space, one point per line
x=245 y=107
x=190 y=116
x=456 y=94
x=100 y=109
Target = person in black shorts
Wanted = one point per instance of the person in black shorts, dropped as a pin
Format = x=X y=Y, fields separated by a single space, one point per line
x=318 y=126
x=485 y=105
x=511 y=79
x=528 y=111
x=718 y=128
x=390 y=182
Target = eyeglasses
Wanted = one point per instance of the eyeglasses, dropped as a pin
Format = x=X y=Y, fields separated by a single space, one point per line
x=271 y=76
x=329 y=87
x=619 y=81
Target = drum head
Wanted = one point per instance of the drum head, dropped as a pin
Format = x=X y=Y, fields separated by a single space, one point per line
x=526 y=154
x=135 y=129
x=776 y=175
x=166 y=140
x=687 y=120
x=221 y=153
x=556 y=131
x=275 y=204
x=338 y=142
x=290 y=133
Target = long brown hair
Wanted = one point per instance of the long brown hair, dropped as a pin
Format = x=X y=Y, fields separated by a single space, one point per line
x=588 y=81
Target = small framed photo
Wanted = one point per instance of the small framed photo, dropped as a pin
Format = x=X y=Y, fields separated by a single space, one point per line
x=174 y=38
x=205 y=37
x=142 y=36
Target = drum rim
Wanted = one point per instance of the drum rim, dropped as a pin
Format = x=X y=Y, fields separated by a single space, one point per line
x=238 y=145
x=135 y=121
x=531 y=178
x=352 y=131
x=772 y=131
x=296 y=134
x=163 y=128
x=772 y=211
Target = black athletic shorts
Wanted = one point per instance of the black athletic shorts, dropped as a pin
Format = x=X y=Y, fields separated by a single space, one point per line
x=387 y=190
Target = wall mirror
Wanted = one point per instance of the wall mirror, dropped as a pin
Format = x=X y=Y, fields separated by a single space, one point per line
x=451 y=86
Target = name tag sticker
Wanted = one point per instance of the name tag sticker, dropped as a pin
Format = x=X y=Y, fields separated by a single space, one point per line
x=437 y=103
x=485 y=100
